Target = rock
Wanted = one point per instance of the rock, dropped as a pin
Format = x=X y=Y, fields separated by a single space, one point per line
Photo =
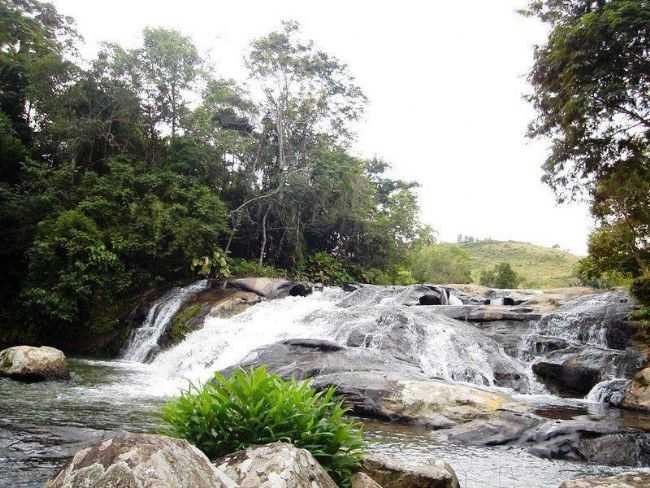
x=27 y=363
x=300 y=290
x=349 y=287
x=637 y=395
x=625 y=480
x=377 y=386
x=390 y=473
x=484 y=313
x=621 y=449
x=273 y=465
x=139 y=460
x=234 y=304
x=362 y=480
x=592 y=318
x=431 y=299
x=567 y=379
x=270 y=287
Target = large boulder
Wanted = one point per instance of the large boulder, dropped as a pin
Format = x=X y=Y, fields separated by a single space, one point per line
x=270 y=287
x=637 y=395
x=273 y=465
x=139 y=460
x=377 y=385
x=626 y=480
x=390 y=473
x=27 y=363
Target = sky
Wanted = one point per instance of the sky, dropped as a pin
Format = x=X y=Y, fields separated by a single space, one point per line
x=445 y=82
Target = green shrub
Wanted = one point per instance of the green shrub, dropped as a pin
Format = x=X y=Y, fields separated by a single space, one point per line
x=255 y=407
x=641 y=289
x=324 y=268
x=245 y=268
x=502 y=277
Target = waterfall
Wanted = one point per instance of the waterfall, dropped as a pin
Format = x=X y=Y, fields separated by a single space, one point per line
x=611 y=392
x=371 y=317
x=145 y=338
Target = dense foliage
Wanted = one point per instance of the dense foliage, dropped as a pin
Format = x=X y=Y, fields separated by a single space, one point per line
x=591 y=83
x=255 y=407
x=502 y=276
x=143 y=168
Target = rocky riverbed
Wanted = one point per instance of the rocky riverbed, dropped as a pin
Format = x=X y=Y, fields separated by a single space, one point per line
x=521 y=386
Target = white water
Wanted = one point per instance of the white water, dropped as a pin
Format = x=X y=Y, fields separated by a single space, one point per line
x=440 y=346
x=145 y=338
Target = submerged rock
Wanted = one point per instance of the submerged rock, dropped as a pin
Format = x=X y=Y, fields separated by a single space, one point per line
x=390 y=473
x=272 y=465
x=139 y=460
x=27 y=363
x=626 y=480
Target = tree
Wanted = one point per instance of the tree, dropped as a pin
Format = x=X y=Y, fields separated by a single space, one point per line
x=591 y=89
x=502 y=276
x=170 y=65
x=441 y=263
x=591 y=84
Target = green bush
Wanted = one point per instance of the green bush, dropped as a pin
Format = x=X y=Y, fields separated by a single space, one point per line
x=502 y=277
x=255 y=407
x=641 y=289
x=324 y=268
x=245 y=268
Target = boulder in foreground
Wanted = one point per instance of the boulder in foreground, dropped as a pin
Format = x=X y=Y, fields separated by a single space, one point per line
x=390 y=473
x=139 y=460
x=626 y=480
x=27 y=363
x=273 y=465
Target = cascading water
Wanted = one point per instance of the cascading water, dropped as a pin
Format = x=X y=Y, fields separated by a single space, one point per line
x=372 y=317
x=144 y=339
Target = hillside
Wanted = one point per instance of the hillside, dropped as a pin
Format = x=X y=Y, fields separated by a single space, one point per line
x=540 y=267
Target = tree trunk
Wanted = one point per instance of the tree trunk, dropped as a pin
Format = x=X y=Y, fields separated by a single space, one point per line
x=263 y=246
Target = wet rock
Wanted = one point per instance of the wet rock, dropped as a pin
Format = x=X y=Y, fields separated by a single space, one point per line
x=362 y=480
x=377 y=386
x=270 y=287
x=431 y=299
x=502 y=428
x=637 y=395
x=390 y=473
x=349 y=287
x=482 y=313
x=622 y=449
x=233 y=304
x=587 y=440
x=599 y=319
x=27 y=363
x=272 y=465
x=612 y=363
x=567 y=379
x=626 y=480
x=133 y=460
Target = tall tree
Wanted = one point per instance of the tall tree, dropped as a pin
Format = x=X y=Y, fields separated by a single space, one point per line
x=591 y=82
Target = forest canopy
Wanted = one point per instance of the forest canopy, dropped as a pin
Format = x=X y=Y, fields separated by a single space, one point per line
x=120 y=172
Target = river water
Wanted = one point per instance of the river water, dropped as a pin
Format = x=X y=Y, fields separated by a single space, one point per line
x=43 y=424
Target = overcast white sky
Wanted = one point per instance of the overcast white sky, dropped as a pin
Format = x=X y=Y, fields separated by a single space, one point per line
x=445 y=81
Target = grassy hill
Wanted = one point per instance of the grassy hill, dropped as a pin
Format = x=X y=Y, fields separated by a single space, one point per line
x=540 y=267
